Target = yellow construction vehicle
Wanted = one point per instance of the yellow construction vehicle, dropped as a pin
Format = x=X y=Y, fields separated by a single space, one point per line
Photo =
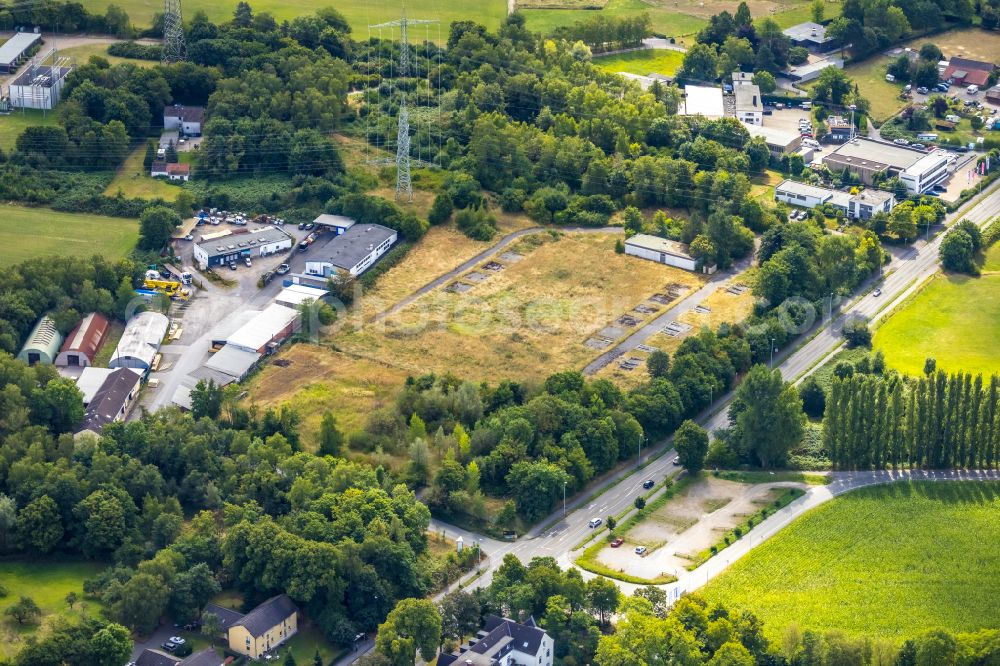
x=171 y=288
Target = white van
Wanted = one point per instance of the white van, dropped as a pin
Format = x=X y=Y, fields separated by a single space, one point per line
x=595 y=522
x=972 y=90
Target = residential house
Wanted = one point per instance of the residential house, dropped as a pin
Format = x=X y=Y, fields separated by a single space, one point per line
x=809 y=35
x=113 y=401
x=261 y=630
x=504 y=642
x=170 y=170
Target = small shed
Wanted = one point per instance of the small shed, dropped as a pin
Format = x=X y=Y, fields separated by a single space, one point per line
x=82 y=343
x=42 y=346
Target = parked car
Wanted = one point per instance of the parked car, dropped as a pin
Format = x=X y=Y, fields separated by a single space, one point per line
x=640 y=550
x=648 y=484
x=283 y=268
x=310 y=226
x=169 y=646
x=246 y=260
x=232 y=266
x=189 y=237
x=595 y=522
x=617 y=542
x=922 y=90
x=901 y=142
x=676 y=461
x=177 y=639
x=918 y=146
x=302 y=225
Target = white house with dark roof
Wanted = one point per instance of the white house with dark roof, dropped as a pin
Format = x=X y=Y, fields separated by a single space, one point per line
x=504 y=642
x=186 y=119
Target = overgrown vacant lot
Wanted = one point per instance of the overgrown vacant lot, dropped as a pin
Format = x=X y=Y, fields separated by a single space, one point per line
x=886 y=562
x=954 y=319
x=26 y=233
x=528 y=320
x=524 y=322
x=47 y=583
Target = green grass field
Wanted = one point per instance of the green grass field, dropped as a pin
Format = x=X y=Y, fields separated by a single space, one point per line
x=882 y=95
x=14 y=123
x=359 y=13
x=650 y=61
x=34 y=232
x=954 y=319
x=992 y=260
x=887 y=562
x=682 y=17
x=133 y=181
x=47 y=583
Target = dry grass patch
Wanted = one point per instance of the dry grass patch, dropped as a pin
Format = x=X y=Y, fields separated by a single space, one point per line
x=530 y=319
x=628 y=379
x=319 y=379
x=723 y=307
x=441 y=250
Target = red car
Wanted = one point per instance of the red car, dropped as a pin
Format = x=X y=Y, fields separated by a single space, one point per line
x=617 y=542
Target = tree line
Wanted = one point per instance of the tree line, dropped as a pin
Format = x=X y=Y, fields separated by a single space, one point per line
x=938 y=421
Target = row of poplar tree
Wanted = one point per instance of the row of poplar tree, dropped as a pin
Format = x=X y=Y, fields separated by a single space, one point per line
x=934 y=422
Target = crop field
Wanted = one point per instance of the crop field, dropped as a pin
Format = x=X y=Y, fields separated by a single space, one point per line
x=674 y=17
x=888 y=562
x=954 y=319
x=47 y=583
x=133 y=181
x=359 y=14
x=34 y=232
x=648 y=61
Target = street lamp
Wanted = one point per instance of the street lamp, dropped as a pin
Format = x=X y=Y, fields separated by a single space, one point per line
x=564 y=498
x=853 y=108
x=771 y=364
x=480 y=547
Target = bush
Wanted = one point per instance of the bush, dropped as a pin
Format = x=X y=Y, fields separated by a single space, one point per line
x=476 y=223
x=136 y=51
x=857 y=333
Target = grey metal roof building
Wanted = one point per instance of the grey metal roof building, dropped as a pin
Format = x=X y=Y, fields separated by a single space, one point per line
x=237 y=246
x=270 y=613
x=140 y=341
x=42 y=346
x=13 y=50
x=354 y=251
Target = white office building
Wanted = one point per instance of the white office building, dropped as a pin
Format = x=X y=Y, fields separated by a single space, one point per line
x=749 y=107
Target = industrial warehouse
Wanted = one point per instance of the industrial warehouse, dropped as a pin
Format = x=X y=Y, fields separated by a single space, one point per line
x=664 y=251
x=354 y=250
x=232 y=247
x=919 y=170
